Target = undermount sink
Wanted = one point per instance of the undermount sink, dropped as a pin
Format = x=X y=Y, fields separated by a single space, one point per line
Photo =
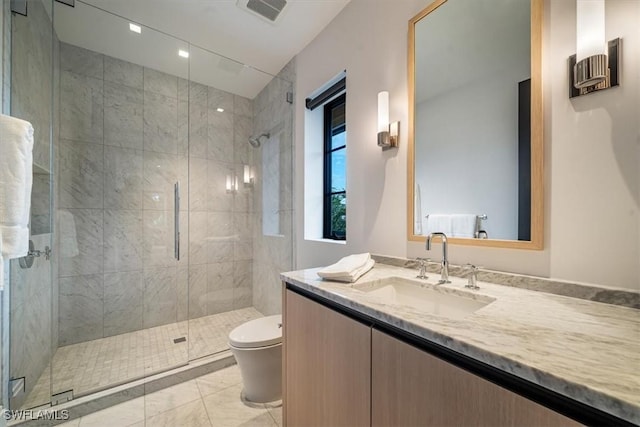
x=425 y=297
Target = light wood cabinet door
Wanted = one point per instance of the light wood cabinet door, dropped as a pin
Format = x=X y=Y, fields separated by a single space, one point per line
x=327 y=366
x=413 y=388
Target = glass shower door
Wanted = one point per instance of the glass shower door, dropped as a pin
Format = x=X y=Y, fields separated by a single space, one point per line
x=219 y=203
x=32 y=285
x=123 y=148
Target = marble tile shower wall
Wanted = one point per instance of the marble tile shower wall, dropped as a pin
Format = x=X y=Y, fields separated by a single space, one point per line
x=128 y=133
x=273 y=254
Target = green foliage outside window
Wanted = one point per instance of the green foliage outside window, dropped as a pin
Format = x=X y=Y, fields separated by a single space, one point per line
x=339 y=214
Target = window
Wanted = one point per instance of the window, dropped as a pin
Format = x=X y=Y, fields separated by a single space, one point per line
x=325 y=197
x=335 y=169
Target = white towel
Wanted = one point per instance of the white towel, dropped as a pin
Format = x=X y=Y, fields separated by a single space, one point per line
x=439 y=223
x=13 y=239
x=349 y=268
x=16 y=158
x=463 y=225
x=354 y=275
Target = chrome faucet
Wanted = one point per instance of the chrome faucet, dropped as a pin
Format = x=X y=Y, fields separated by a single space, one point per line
x=444 y=278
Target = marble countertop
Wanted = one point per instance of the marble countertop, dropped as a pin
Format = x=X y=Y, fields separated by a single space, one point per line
x=585 y=350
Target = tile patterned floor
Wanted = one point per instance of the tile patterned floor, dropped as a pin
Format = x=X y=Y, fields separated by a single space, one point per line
x=95 y=365
x=209 y=401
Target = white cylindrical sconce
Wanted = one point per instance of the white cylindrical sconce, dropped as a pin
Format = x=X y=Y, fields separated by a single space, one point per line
x=247 y=176
x=591 y=55
x=231 y=184
x=383 y=111
x=387 y=132
x=590 y=38
x=596 y=64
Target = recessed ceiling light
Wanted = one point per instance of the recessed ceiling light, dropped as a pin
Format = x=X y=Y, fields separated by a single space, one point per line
x=135 y=28
x=220 y=110
x=183 y=53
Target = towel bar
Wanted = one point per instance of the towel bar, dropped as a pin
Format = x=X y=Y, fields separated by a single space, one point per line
x=27 y=260
x=483 y=216
x=478 y=232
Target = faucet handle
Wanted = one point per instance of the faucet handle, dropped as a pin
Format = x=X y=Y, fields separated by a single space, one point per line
x=422 y=263
x=482 y=234
x=472 y=278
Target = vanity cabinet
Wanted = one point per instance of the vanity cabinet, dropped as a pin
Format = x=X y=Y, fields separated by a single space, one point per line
x=410 y=387
x=339 y=371
x=327 y=366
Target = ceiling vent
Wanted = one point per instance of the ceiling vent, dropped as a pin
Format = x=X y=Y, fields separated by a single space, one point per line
x=267 y=9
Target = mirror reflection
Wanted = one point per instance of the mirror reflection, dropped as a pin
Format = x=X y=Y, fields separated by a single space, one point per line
x=472 y=120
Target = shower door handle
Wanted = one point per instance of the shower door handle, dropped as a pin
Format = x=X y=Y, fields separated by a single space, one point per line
x=176 y=220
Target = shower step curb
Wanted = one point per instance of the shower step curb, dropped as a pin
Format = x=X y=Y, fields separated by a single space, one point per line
x=97 y=401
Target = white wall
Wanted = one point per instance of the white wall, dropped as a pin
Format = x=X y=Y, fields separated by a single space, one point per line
x=468 y=154
x=367 y=39
x=592 y=148
x=595 y=149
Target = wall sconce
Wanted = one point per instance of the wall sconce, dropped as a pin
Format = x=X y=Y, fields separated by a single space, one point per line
x=231 y=184
x=248 y=176
x=388 y=133
x=595 y=65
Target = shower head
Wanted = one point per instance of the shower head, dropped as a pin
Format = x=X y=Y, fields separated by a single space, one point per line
x=256 y=141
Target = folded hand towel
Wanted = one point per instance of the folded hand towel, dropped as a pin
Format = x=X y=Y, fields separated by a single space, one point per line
x=353 y=276
x=345 y=266
x=358 y=273
x=463 y=225
x=348 y=269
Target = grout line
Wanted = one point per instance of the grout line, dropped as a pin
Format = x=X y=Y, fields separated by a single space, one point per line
x=202 y=395
x=273 y=418
x=206 y=410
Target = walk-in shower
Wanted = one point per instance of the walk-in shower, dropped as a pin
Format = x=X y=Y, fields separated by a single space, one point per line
x=120 y=117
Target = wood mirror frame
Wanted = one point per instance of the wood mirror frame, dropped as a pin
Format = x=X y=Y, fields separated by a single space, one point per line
x=537 y=138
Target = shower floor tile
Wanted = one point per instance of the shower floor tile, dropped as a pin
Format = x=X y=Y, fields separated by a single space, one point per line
x=106 y=362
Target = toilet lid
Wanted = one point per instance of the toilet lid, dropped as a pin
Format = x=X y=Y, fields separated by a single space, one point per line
x=260 y=332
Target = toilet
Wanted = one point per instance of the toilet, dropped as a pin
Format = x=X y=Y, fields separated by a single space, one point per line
x=257 y=347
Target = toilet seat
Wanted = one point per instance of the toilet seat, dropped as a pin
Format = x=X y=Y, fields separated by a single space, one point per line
x=262 y=332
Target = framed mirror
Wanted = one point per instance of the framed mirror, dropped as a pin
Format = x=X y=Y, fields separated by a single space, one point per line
x=475 y=160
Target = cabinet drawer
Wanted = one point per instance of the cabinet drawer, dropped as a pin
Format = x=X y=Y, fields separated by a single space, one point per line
x=327 y=366
x=413 y=388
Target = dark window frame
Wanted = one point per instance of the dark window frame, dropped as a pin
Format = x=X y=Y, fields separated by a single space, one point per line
x=327 y=232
